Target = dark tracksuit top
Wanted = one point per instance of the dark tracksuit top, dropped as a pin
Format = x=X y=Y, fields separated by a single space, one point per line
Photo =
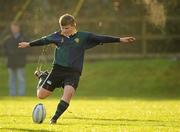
x=16 y=58
x=70 y=50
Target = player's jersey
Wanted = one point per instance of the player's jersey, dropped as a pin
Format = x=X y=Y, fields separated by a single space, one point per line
x=70 y=50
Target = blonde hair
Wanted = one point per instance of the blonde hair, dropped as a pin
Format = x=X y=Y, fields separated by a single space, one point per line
x=67 y=19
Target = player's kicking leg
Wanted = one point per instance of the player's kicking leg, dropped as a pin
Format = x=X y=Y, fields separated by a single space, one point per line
x=41 y=92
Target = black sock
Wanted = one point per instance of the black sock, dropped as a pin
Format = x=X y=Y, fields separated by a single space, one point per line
x=62 y=106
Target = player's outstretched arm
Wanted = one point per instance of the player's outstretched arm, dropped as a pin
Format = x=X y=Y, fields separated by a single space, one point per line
x=94 y=40
x=109 y=39
x=23 y=45
x=127 y=39
x=39 y=42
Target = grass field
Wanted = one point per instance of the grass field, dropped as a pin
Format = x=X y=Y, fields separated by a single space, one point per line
x=113 y=96
x=93 y=115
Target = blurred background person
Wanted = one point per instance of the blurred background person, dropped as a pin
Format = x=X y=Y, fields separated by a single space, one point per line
x=16 y=60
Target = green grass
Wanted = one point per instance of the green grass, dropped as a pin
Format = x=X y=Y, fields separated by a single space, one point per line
x=124 y=95
x=153 y=78
x=93 y=115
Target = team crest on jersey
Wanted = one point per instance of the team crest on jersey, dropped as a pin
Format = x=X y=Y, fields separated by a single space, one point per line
x=76 y=40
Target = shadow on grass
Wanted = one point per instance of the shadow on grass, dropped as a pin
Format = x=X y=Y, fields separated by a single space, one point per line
x=110 y=119
x=23 y=130
x=123 y=122
x=6 y=115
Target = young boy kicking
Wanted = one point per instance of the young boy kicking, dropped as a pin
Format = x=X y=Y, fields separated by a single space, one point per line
x=68 y=60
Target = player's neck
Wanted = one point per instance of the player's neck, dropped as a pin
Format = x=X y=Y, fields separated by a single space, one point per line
x=73 y=32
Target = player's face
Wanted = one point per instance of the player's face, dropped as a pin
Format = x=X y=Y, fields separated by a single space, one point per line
x=67 y=30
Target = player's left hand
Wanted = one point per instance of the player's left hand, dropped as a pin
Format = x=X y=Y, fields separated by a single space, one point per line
x=127 y=39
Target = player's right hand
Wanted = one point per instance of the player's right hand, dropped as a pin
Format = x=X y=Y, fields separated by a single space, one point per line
x=127 y=39
x=23 y=45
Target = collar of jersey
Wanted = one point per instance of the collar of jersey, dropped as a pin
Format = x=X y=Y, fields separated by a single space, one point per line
x=70 y=35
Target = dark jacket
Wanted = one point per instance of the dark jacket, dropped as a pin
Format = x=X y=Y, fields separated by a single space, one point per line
x=16 y=57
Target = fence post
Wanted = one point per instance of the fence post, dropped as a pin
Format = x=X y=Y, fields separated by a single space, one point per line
x=144 y=40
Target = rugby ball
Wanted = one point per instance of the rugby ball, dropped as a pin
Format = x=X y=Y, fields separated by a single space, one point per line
x=39 y=113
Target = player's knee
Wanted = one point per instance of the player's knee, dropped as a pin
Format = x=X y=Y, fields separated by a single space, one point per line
x=40 y=96
x=43 y=93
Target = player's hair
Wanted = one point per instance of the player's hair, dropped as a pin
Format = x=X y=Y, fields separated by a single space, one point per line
x=67 y=19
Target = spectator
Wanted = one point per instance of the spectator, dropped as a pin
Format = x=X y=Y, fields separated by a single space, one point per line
x=16 y=60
